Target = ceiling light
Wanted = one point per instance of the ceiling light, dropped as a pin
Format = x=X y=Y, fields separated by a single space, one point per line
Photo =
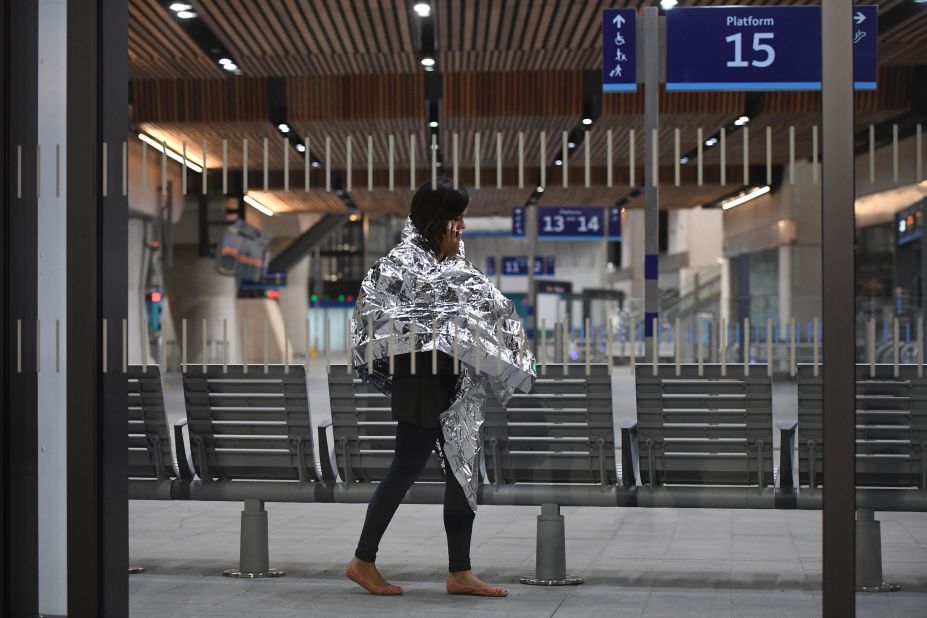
x=229 y=66
x=711 y=141
x=540 y=189
x=587 y=121
x=428 y=61
x=742 y=121
x=301 y=147
x=668 y=4
x=354 y=217
x=571 y=145
x=684 y=160
x=258 y=206
x=224 y=61
x=745 y=197
x=558 y=162
x=180 y=6
x=284 y=127
x=186 y=14
x=422 y=9
x=316 y=164
x=433 y=124
x=173 y=155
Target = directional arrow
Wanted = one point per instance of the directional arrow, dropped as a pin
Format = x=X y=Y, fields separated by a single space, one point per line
x=619 y=21
x=859 y=17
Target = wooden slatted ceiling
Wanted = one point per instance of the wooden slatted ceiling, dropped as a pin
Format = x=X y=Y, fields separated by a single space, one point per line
x=242 y=99
x=160 y=49
x=356 y=97
x=315 y=200
x=313 y=37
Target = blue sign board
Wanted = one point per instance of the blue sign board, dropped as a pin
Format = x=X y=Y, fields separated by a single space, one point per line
x=619 y=50
x=517 y=265
x=587 y=223
x=759 y=48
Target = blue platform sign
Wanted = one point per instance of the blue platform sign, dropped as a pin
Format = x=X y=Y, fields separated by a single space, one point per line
x=614 y=223
x=517 y=265
x=586 y=223
x=619 y=50
x=518 y=221
x=760 y=48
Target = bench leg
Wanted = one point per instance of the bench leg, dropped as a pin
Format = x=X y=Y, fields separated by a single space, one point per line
x=254 y=559
x=550 y=568
x=135 y=570
x=869 y=554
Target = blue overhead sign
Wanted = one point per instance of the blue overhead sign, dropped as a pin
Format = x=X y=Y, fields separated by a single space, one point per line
x=619 y=47
x=586 y=223
x=760 y=48
x=517 y=265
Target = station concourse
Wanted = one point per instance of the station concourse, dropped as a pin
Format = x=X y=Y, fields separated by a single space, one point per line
x=634 y=292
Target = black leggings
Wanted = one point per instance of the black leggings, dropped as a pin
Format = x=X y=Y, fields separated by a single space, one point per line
x=413 y=447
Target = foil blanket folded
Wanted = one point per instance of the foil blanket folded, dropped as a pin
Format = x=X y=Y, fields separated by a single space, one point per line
x=410 y=302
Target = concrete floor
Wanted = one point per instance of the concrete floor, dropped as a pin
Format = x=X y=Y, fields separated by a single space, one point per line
x=636 y=562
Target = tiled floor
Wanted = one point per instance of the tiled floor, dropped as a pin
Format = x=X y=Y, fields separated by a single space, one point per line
x=636 y=562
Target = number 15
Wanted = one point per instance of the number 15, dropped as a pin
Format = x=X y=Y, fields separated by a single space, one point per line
x=758 y=46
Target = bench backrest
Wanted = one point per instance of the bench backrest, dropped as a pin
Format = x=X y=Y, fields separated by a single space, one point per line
x=560 y=432
x=705 y=428
x=150 y=454
x=364 y=430
x=891 y=426
x=246 y=423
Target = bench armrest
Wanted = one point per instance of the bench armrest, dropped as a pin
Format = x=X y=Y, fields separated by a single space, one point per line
x=787 y=434
x=326 y=451
x=183 y=462
x=630 y=454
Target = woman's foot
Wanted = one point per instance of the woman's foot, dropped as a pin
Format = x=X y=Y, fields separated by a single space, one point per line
x=465 y=582
x=366 y=575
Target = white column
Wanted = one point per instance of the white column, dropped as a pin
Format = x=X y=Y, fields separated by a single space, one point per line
x=725 y=288
x=785 y=284
x=294 y=305
x=52 y=301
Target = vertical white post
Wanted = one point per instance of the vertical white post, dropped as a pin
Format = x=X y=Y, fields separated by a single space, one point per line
x=183 y=345
x=920 y=347
x=746 y=349
x=769 y=155
x=454 y=157
x=565 y=158
x=565 y=347
x=205 y=343
x=676 y=156
x=369 y=345
x=769 y=348
x=543 y=350
x=586 y=344
x=244 y=165
x=542 y=158
x=476 y=160
x=434 y=162
x=792 y=155
x=392 y=163
x=815 y=171
x=369 y=162
x=390 y=351
x=328 y=347
x=723 y=156
x=700 y=145
x=895 y=154
x=746 y=131
x=871 y=346
x=655 y=343
x=349 y=162
x=699 y=348
x=225 y=345
x=412 y=353
x=498 y=160
x=412 y=162
x=722 y=345
x=816 y=347
x=434 y=346
x=871 y=154
x=521 y=160
x=266 y=185
x=267 y=348
x=677 y=348
x=608 y=159
x=244 y=345
x=793 y=366
x=896 y=353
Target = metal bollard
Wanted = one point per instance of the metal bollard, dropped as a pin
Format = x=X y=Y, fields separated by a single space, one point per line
x=550 y=566
x=869 y=554
x=254 y=560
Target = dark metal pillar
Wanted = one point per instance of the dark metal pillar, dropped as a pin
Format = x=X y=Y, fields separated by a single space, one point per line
x=97 y=112
x=18 y=309
x=838 y=249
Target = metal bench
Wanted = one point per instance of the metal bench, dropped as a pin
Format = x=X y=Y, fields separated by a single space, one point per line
x=555 y=444
x=153 y=472
x=703 y=437
x=251 y=440
x=891 y=452
x=364 y=440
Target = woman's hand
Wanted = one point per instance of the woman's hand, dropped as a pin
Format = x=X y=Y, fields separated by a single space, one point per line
x=450 y=242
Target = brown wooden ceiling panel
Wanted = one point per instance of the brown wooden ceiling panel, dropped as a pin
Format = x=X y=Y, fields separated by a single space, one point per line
x=313 y=37
x=353 y=97
x=160 y=49
x=238 y=138
x=238 y=99
x=315 y=200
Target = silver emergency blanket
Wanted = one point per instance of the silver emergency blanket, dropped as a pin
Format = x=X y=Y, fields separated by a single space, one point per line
x=411 y=302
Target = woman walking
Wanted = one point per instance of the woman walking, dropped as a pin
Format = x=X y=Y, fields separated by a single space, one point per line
x=466 y=341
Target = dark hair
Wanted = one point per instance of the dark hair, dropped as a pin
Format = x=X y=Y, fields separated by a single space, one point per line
x=433 y=208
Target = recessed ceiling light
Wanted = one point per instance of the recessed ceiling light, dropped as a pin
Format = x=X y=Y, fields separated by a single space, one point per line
x=186 y=14
x=433 y=124
x=711 y=141
x=742 y=121
x=668 y=4
x=587 y=121
x=422 y=9
x=428 y=61
x=180 y=6
x=231 y=66
x=571 y=145
x=558 y=162
x=316 y=164
x=684 y=160
x=301 y=147
x=284 y=127
x=540 y=189
x=224 y=61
